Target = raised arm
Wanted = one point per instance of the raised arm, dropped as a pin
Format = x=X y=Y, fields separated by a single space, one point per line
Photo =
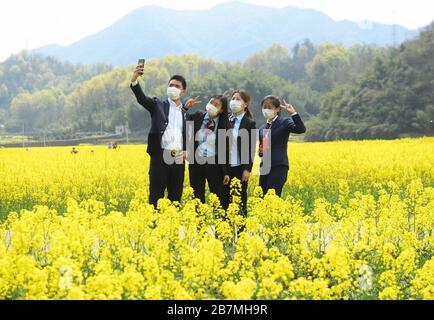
x=190 y=104
x=296 y=125
x=147 y=102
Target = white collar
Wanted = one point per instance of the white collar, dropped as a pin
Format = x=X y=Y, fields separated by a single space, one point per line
x=208 y=117
x=173 y=103
x=240 y=116
x=274 y=119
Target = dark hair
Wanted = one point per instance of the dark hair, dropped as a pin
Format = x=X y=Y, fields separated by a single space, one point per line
x=224 y=115
x=228 y=94
x=247 y=99
x=180 y=79
x=274 y=101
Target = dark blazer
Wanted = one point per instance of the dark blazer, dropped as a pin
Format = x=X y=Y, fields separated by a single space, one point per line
x=250 y=125
x=198 y=118
x=280 y=131
x=159 y=110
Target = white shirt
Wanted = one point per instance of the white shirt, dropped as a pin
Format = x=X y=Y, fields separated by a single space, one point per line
x=207 y=139
x=272 y=120
x=234 y=160
x=172 y=137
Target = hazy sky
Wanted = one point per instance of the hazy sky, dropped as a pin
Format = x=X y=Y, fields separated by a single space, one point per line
x=34 y=23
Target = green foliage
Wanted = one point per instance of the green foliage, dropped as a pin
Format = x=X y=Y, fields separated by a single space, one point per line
x=40 y=108
x=394 y=98
x=362 y=92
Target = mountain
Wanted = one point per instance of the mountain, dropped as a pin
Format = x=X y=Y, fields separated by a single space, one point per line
x=230 y=31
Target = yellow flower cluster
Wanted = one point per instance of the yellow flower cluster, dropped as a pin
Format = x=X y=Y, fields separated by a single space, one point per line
x=359 y=225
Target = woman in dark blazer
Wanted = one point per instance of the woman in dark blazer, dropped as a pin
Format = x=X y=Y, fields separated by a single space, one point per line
x=209 y=164
x=273 y=143
x=242 y=147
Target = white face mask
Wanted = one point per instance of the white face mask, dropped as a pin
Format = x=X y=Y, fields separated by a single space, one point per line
x=212 y=110
x=173 y=93
x=268 y=114
x=236 y=106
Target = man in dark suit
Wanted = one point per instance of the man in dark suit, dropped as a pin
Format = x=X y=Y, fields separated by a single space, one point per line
x=166 y=139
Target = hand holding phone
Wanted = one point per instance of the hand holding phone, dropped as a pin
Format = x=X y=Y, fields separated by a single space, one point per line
x=138 y=71
x=141 y=65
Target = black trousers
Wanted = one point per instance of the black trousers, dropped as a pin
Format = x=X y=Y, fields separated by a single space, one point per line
x=276 y=179
x=237 y=172
x=163 y=176
x=211 y=173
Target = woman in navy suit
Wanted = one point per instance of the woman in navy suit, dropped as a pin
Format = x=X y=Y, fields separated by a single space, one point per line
x=207 y=167
x=242 y=148
x=273 y=143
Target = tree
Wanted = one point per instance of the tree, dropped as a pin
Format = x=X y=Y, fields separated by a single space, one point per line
x=330 y=66
x=276 y=60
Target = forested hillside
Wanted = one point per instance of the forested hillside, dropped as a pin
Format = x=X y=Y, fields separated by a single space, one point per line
x=33 y=90
x=361 y=92
x=393 y=98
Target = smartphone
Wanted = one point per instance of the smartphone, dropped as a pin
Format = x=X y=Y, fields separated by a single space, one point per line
x=142 y=62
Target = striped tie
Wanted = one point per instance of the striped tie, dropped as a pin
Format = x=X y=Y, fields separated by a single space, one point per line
x=232 y=120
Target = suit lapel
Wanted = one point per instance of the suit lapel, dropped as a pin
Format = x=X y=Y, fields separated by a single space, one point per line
x=184 y=127
x=184 y=116
x=277 y=124
x=199 y=121
x=166 y=106
x=243 y=123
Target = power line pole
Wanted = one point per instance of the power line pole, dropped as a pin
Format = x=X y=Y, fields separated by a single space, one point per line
x=23 y=134
x=126 y=130
x=394 y=27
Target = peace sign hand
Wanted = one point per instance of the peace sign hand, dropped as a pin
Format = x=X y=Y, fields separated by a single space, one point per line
x=192 y=102
x=288 y=107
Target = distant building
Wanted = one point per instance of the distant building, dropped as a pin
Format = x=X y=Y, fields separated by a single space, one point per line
x=121 y=130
